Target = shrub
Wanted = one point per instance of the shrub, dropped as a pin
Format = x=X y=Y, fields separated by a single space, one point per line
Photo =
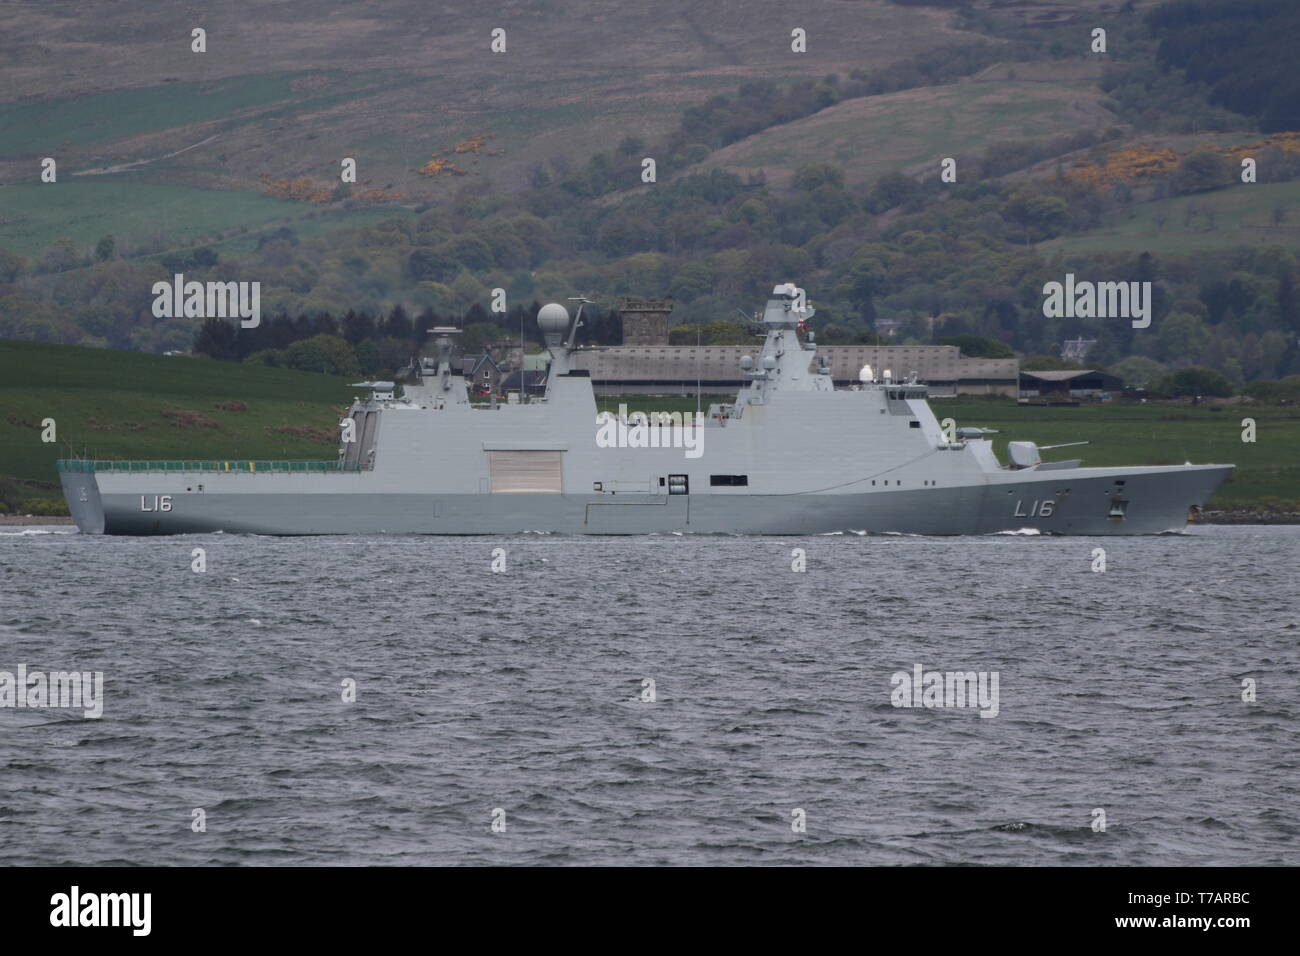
x=1197 y=381
x=977 y=346
x=45 y=506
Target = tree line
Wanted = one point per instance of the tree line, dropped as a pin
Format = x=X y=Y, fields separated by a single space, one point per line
x=359 y=342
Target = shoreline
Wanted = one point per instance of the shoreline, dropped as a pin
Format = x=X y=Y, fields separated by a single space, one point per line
x=1245 y=516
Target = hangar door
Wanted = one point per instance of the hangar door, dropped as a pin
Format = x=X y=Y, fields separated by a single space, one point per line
x=525 y=472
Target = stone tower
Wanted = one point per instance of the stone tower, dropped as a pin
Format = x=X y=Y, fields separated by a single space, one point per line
x=645 y=321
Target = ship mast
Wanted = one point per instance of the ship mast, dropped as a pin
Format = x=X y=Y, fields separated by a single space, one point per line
x=443 y=344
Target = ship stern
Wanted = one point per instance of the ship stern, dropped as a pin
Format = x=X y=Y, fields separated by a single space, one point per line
x=81 y=491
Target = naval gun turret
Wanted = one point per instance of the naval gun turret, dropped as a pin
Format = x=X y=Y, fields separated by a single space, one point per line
x=1027 y=454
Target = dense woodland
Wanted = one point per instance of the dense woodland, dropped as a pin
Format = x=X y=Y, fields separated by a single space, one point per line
x=948 y=260
x=1238 y=50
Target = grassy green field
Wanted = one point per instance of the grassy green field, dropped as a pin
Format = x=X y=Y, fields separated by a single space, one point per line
x=112 y=115
x=111 y=404
x=34 y=216
x=1158 y=434
x=1242 y=215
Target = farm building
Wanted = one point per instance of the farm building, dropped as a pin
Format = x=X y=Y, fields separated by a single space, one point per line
x=676 y=369
x=1074 y=383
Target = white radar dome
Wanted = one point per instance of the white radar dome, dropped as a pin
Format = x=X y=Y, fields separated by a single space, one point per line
x=553 y=317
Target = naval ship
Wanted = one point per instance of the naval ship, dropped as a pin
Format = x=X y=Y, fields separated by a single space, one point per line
x=792 y=455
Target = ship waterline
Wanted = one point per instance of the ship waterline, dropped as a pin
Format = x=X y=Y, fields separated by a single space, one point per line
x=792 y=455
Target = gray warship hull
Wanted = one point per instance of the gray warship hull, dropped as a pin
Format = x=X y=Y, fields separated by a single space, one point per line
x=792 y=455
x=1156 y=500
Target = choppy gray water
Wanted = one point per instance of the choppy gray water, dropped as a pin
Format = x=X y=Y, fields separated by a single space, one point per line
x=523 y=691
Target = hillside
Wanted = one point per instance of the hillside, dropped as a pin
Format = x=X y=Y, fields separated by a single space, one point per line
x=913 y=130
x=269 y=97
x=285 y=91
x=1198 y=223
x=1120 y=165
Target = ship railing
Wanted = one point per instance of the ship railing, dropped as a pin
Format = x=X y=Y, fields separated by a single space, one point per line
x=234 y=466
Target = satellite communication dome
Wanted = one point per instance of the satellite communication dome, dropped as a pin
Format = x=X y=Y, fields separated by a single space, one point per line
x=865 y=374
x=553 y=317
x=769 y=362
x=747 y=362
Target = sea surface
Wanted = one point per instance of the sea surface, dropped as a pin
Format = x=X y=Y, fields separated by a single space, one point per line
x=523 y=698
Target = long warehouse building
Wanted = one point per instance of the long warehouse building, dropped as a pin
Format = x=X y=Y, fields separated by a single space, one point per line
x=676 y=369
